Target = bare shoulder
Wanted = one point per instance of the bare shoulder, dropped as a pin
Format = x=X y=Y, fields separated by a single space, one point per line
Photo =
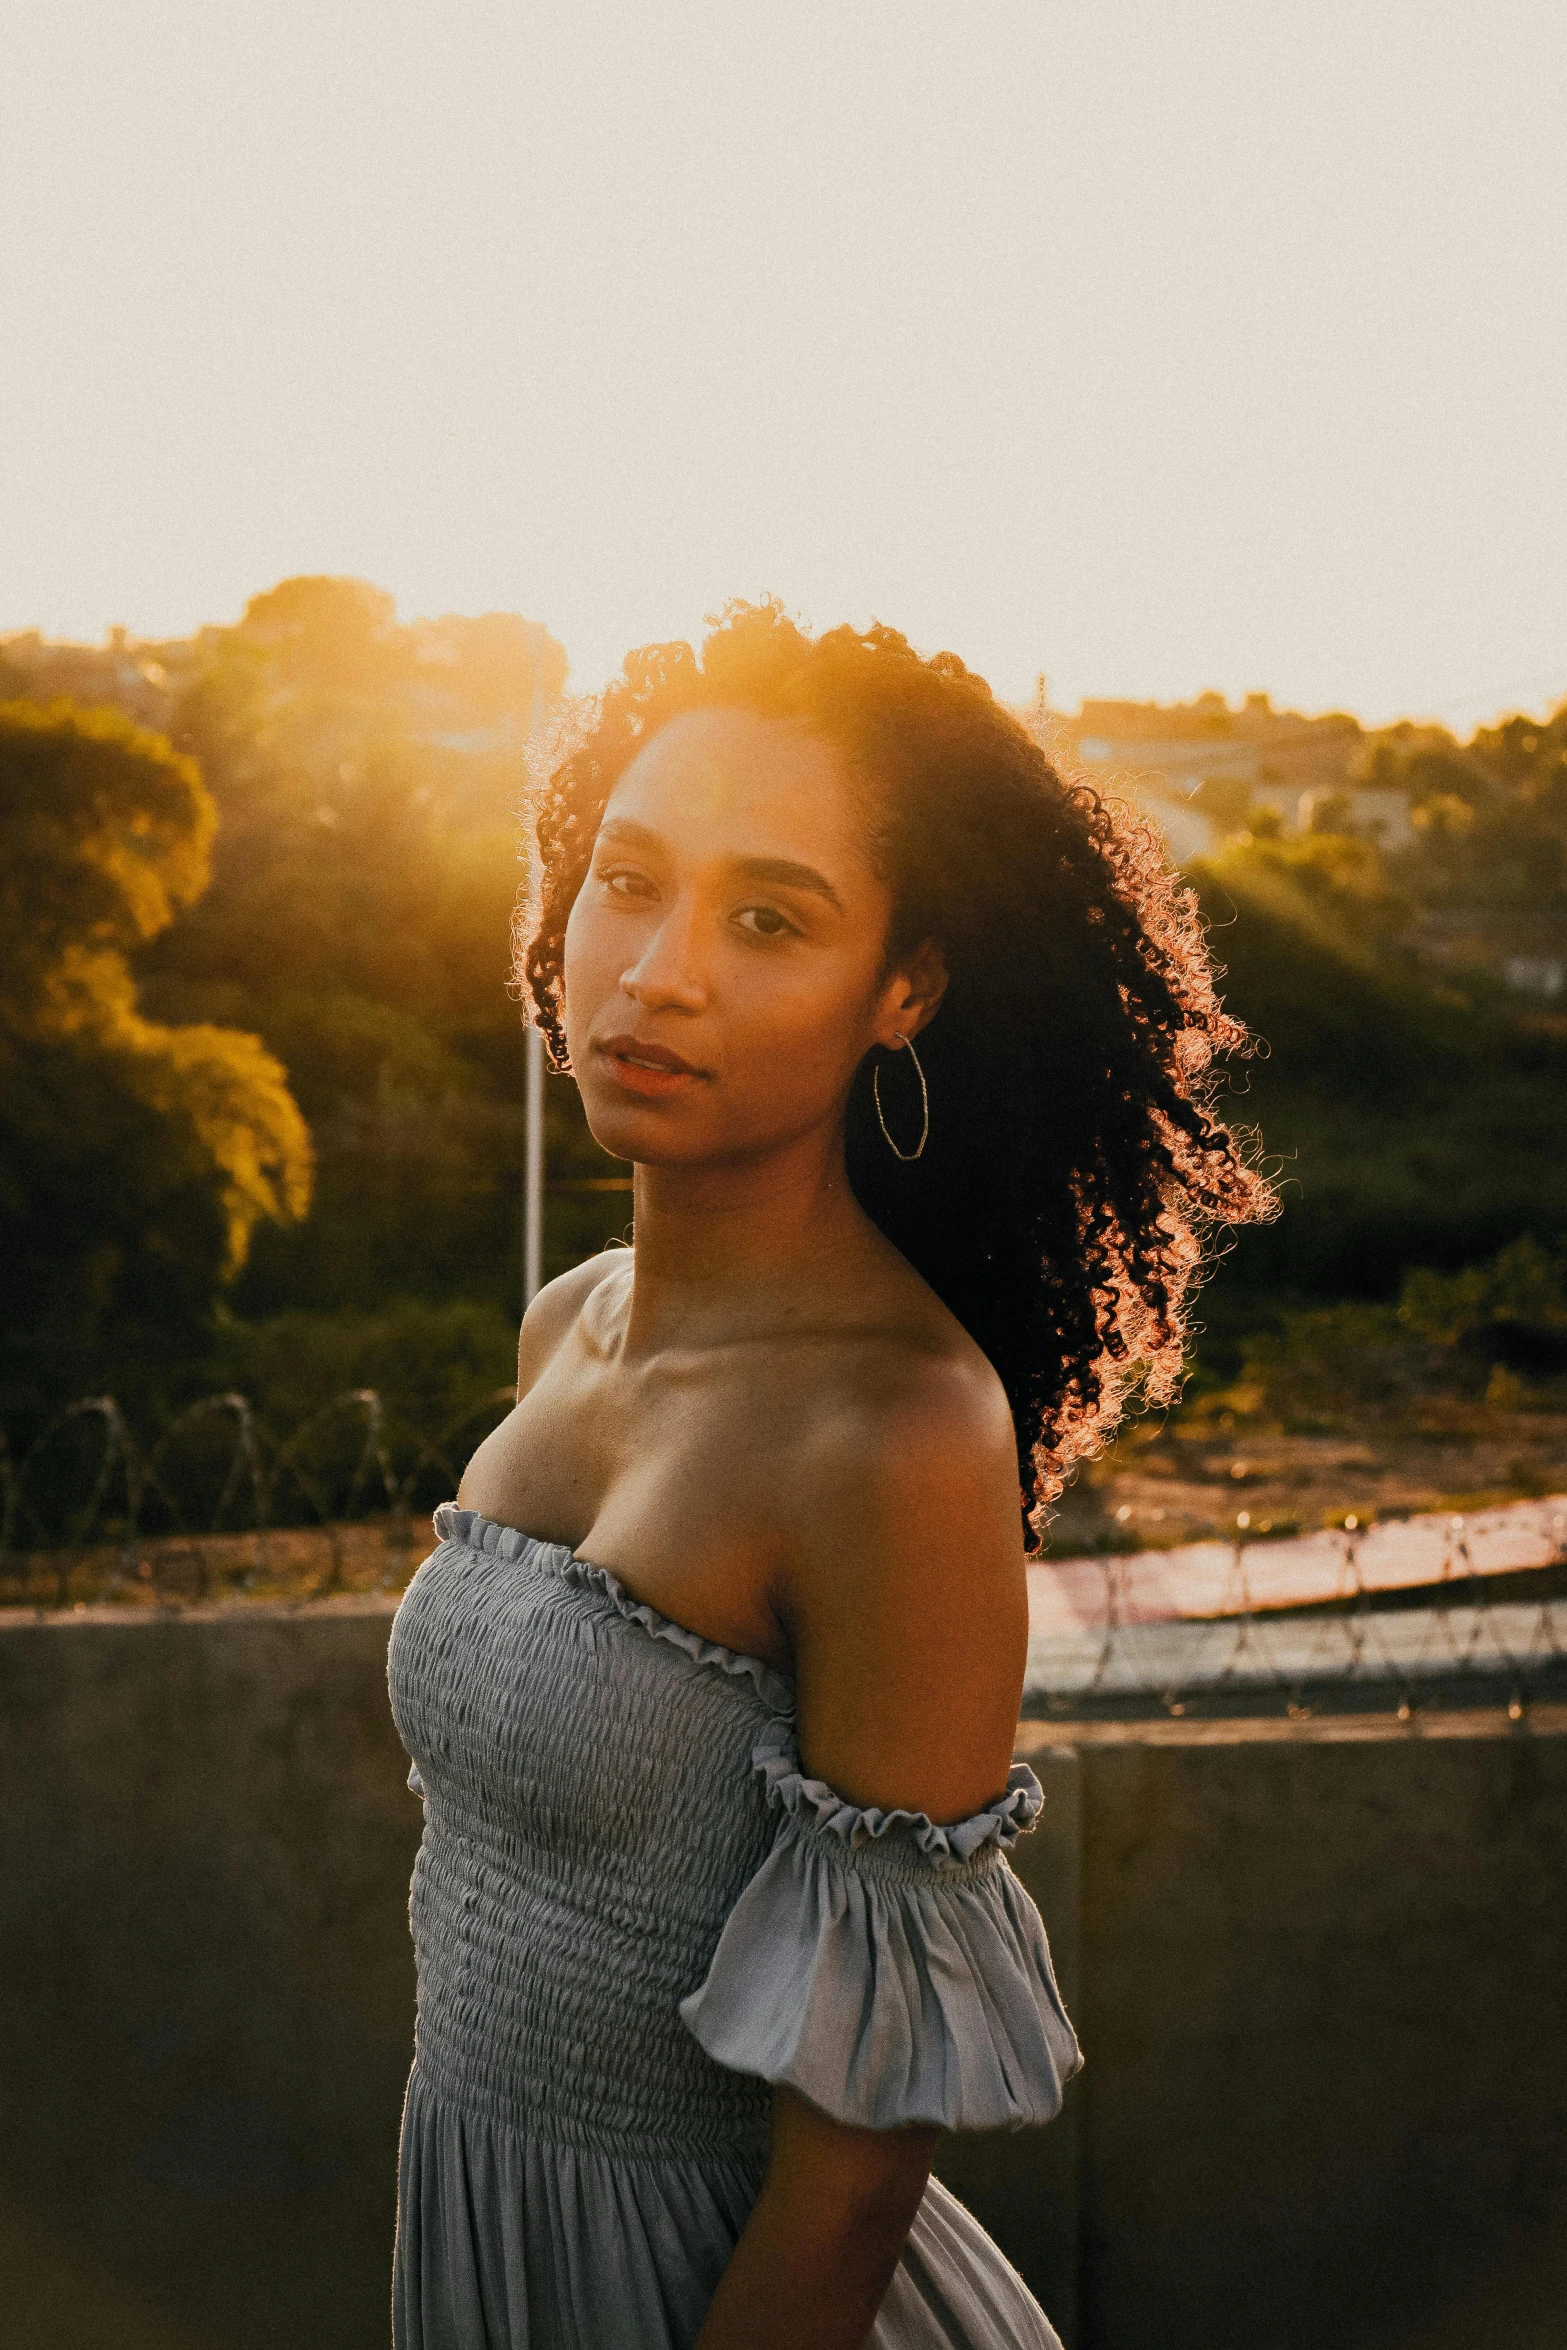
x=913 y=1433
x=555 y=1311
x=907 y=1605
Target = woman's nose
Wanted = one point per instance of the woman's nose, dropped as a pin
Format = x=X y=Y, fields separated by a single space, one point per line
x=665 y=976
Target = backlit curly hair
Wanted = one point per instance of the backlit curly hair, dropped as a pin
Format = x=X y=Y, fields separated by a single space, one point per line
x=1077 y=1168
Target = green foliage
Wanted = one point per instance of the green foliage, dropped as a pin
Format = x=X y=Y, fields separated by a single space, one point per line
x=369 y=779
x=136 y=1159
x=1310 y=933
x=107 y=837
x=1455 y=1162
x=1326 y=1368
x=353 y=785
x=1512 y=1310
x=1490 y=816
x=1333 y=1367
x=1413 y=1114
x=434 y=1366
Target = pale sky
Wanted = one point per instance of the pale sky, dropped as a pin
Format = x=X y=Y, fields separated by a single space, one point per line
x=1154 y=346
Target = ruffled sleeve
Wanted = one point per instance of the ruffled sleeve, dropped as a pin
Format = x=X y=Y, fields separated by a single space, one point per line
x=891 y=1970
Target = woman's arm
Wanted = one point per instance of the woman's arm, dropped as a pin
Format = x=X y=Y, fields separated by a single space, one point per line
x=824 y=2236
x=908 y=1619
x=907 y=1604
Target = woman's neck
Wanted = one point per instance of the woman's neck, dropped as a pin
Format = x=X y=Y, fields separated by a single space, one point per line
x=739 y=1243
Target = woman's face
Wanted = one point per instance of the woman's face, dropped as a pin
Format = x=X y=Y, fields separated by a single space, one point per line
x=724 y=958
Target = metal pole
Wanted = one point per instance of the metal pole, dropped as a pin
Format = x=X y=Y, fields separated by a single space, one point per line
x=533 y=1094
x=533 y=1175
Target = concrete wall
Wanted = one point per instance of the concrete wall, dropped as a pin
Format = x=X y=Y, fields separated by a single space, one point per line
x=1324 y=1996
x=1322 y=1984
x=205 y=1841
x=1024 y=2184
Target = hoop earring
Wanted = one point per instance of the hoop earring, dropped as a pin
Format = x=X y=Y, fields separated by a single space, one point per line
x=906 y=1156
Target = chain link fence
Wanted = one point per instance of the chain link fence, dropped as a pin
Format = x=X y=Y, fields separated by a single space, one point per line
x=1408 y=1616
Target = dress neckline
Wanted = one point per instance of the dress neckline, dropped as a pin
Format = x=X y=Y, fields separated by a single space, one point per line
x=472 y=1528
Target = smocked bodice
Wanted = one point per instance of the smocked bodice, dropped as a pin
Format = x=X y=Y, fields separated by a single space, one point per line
x=592 y=1817
x=632 y=1907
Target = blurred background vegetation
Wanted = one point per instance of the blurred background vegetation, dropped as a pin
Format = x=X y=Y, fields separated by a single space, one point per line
x=261 y=1122
x=260 y=1118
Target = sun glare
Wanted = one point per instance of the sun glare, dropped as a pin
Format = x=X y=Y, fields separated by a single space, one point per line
x=1156 y=351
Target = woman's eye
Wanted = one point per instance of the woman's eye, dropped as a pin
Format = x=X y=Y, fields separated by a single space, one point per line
x=624 y=882
x=766 y=922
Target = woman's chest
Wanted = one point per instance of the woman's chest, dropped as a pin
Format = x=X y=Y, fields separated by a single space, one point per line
x=686 y=1489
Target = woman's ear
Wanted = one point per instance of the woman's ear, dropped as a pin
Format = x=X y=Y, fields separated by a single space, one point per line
x=912 y=996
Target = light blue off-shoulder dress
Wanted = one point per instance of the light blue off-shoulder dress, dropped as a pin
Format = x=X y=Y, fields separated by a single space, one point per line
x=632 y=1912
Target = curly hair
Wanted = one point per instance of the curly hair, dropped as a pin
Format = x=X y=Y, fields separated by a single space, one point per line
x=1077 y=1169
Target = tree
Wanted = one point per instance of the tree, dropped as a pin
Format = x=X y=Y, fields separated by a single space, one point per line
x=136 y=1159
x=1490 y=818
x=1410 y=1110
x=327 y=634
x=364 y=878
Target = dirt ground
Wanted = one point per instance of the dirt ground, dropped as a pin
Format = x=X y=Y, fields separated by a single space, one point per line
x=292 y=1564
x=1193 y=1475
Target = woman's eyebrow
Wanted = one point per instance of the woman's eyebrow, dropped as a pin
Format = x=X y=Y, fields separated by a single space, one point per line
x=784 y=873
x=637 y=836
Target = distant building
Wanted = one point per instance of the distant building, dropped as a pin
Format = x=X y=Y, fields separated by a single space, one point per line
x=139 y=678
x=1201 y=768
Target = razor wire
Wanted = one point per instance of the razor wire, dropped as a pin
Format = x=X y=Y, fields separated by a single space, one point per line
x=218 y=1507
x=1455 y=1635
x=89 y=1509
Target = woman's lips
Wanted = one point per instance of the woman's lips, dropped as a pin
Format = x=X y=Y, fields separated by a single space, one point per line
x=650 y=1070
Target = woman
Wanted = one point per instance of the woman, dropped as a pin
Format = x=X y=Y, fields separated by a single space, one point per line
x=711 y=1684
